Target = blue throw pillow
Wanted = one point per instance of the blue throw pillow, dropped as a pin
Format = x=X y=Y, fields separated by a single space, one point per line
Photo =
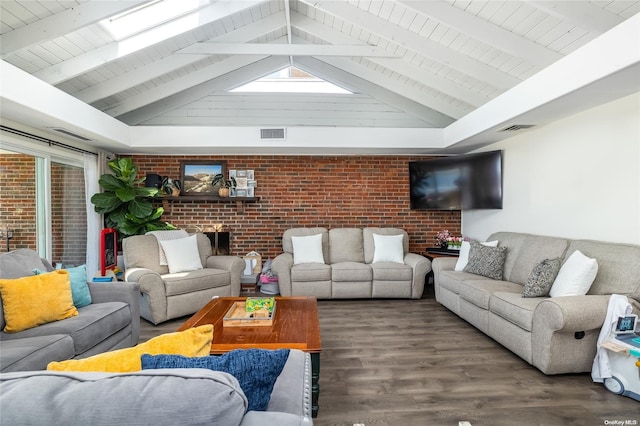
x=255 y=369
x=79 y=288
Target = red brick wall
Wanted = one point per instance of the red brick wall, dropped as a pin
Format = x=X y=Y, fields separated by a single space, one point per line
x=18 y=199
x=294 y=191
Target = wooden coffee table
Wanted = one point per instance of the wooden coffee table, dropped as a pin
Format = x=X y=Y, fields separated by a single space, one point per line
x=295 y=326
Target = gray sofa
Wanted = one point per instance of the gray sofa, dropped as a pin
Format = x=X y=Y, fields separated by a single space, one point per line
x=153 y=397
x=165 y=296
x=349 y=271
x=111 y=321
x=556 y=335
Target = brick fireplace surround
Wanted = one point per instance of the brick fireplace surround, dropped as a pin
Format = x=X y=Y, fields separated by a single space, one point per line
x=328 y=191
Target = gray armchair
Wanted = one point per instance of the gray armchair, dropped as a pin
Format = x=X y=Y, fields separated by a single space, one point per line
x=166 y=296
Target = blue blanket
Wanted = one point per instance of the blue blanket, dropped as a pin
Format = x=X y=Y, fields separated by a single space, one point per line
x=256 y=370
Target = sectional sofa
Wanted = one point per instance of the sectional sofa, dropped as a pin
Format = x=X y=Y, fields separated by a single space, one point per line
x=111 y=321
x=350 y=264
x=555 y=334
x=187 y=396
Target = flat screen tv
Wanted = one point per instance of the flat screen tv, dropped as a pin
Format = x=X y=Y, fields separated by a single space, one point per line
x=462 y=182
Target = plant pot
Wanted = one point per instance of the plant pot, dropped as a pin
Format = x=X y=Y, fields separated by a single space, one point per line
x=175 y=192
x=223 y=192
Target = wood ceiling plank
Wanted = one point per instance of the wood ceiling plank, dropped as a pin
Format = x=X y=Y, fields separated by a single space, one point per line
x=166 y=65
x=195 y=87
x=413 y=41
x=114 y=50
x=355 y=81
x=61 y=23
x=400 y=66
x=580 y=13
x=183 y=83
x=484 y=31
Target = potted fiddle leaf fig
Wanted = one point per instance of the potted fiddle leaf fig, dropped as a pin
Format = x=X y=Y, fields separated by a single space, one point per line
x=224 y=185
x=125 y=203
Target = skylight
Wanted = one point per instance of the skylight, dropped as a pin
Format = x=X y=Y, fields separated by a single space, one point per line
x=290 y=80
x=147 y=16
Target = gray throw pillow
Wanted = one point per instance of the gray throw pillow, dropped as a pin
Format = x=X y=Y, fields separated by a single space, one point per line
x=486 y=261
x=541 y=278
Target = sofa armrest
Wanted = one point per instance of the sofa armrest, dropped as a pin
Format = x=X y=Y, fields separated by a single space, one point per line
x=421 y=267
x=292 y=390
x=281 y=266
x=233 y=264
x=443 y=264
x=127 y=292
x=572 y=313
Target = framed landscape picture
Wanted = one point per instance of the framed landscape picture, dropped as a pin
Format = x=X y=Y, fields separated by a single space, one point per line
x=197 y=175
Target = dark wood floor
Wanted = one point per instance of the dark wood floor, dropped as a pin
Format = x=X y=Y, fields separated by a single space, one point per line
x=412 y=362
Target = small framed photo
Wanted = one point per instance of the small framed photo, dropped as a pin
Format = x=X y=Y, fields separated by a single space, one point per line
x=232 y=192
x=251 y=191
x=196 y=176
x=241 y=182
x=241 y=192
x=252 y=183
x=250 y=175
x=232 y=174
x=241 y=174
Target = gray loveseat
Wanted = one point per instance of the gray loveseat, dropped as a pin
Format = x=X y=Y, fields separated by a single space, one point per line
x=165 y=296
x=556 y=335
x=348 y=270
x=111 y=321
x=153 y=397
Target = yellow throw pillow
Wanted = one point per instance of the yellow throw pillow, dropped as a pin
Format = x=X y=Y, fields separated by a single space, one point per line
x=35 y=300
x=194 y=342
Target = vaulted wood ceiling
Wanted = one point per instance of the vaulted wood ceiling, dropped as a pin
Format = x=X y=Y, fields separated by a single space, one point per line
x=422 y=64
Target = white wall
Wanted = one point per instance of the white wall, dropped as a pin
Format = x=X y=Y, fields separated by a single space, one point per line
x=578 y=177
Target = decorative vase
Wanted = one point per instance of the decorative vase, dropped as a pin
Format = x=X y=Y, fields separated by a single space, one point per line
x=443 y=245
x=223 y=192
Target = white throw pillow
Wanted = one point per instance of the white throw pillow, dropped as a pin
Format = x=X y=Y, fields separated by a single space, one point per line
x=182 y=254
x=388 y=248
x=575 y=276
x=463 y=257
x=307 y=249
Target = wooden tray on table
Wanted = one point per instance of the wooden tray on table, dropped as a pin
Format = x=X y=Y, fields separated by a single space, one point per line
x=237 y=316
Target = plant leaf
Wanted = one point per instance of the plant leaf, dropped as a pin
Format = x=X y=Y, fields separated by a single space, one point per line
x=140 y=208
x=111 y=183
x=105 y=202
x=126 y=194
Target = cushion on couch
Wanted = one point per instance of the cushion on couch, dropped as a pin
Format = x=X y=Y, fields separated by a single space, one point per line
x=575 y=276
x=192 y=342
x=486 y=261
x=34 y=300
x=182 y=254
x=463 y=256
x=307 y=249
x=388 y=248
x=542 y=278
x=256 y=369
x=159 y=398
x=79 y=288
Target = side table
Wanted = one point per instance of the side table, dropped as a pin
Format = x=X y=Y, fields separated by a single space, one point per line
x=433 y=252
x=249 y=284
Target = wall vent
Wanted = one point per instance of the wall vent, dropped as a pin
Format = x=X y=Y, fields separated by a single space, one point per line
x=69 y=133
x=271 y=134
x=516 y=127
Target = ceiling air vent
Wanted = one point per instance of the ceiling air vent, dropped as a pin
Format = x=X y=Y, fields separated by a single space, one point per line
x=516 y=127
x=69 y=133
x=272 y=134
